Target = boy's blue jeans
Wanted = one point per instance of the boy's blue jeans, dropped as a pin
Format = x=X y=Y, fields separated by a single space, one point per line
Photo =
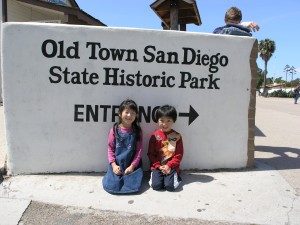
x=159 y=181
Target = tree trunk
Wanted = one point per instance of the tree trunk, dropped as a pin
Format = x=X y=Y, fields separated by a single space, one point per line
x=265 y=80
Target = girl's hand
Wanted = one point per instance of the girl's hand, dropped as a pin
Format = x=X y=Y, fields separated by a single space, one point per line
x=116 y=169
x=129 y=169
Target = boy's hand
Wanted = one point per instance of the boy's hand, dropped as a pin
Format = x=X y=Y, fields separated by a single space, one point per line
x=165 y=169
x=129 y=169
x=252 y=25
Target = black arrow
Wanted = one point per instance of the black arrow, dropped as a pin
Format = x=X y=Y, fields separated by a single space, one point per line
x=192 y=114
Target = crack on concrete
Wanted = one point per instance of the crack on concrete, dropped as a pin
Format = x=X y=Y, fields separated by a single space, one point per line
x=291 y=209
x=6 y=189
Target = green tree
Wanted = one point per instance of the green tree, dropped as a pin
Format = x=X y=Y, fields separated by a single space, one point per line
x=266 y=48
x=270 y=80
x=260 y=78
x=279 y=80
x=296 y=81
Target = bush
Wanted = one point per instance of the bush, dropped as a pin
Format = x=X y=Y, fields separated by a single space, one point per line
x=282 y=94
x=291 y=94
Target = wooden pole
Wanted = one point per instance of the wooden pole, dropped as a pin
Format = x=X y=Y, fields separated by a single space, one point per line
x=174 y=15
x=164 y=26
x=182 y=27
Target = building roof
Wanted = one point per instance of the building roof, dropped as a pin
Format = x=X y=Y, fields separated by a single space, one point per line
x=71 y=9
x=274 y=85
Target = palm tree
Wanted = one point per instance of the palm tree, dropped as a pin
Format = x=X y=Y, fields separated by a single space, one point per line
x=266 y=48
x=286 y=70
x=292 y=71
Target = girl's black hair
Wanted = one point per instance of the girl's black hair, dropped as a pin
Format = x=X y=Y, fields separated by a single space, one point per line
x=128 y=103
x=166 y=110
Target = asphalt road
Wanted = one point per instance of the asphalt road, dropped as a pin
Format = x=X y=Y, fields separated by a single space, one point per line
x=277 y=141
x=40 y=213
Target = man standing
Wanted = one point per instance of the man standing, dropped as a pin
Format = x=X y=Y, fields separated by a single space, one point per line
x=296 y=93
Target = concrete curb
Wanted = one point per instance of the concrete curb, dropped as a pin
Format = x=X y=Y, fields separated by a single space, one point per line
x=11 y=210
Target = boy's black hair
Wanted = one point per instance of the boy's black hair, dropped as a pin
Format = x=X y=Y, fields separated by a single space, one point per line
x=166 y=110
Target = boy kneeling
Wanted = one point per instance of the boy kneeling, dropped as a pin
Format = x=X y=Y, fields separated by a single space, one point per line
x=165 y=151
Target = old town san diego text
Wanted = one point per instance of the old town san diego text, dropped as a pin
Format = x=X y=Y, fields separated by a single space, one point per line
x=118 y=76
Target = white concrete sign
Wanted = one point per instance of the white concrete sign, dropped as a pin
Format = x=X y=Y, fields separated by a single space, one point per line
x=0 y=50
x=63 y=85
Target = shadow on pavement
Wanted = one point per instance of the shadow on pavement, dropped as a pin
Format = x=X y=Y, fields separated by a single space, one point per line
x=284 y=157
x=190 y=177
x=259 y=133
x=1 y=177
x=187 y=178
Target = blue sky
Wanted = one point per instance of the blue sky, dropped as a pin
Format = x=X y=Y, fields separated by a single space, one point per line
x=279 y=21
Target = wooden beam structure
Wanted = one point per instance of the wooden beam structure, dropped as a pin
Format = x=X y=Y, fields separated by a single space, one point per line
x=177 y=12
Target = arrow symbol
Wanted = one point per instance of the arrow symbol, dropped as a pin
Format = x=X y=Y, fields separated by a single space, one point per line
x=192 y=114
